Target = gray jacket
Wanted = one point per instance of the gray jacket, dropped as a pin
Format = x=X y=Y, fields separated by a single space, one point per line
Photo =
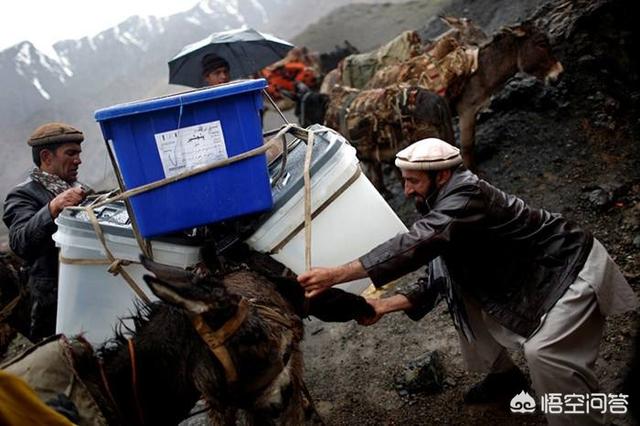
x=26 y=214
x=514 y=260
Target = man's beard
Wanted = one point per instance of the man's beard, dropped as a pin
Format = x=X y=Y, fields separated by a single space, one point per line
x=422 y=206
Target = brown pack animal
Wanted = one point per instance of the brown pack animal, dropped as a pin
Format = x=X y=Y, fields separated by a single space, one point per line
x=380 y=122
x=462 y=32
x=234 y=341
x=519 y=48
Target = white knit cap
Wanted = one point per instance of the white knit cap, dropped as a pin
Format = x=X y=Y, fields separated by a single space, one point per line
x=428 y=154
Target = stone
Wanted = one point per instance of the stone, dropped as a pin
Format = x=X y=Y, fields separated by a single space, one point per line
x=425 y=374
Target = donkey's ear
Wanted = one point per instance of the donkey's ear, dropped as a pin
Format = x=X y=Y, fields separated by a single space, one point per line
x=176 y=276
x=181 y=295
x=520 y=30
x=451 y=21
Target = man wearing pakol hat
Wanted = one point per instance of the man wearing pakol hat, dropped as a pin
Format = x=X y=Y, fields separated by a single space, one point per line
x=513 y=276
x=30 y=209
x=215 y=70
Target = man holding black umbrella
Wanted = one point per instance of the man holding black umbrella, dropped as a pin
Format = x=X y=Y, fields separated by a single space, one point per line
x=245 y=51
x=215 y=70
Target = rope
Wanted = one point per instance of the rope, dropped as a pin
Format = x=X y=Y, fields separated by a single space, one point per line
x=215 y=340
x=307 y=214
x=116 y=265
x=197 y=170
x=307 y=202
x=107 y=388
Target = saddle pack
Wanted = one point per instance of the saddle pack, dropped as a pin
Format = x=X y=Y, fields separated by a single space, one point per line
x=357 y=70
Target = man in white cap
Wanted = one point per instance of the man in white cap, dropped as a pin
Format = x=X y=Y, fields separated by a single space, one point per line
x=514 y=277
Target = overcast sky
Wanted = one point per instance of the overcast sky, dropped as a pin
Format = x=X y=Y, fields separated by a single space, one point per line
x=43 y=22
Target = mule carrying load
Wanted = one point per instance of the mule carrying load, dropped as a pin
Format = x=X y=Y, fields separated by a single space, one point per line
x=356 y=70
x=198 y=159
x=463 y=67
x=227 y=227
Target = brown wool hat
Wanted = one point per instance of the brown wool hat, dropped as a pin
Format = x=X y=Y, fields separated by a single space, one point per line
x=55 y=133
x=428 y=154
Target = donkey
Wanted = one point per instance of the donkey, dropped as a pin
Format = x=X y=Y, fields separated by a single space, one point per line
x=232 y=340
x=519 y=48
x=378 y=122
x=330 y=60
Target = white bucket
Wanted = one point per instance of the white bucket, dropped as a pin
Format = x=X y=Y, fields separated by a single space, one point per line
x=350 y=217
x=91 y=300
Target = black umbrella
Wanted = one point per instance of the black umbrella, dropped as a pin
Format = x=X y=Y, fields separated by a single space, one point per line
x=246 y=50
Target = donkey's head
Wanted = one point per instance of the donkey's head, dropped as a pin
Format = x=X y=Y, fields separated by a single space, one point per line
x=196 y=292
x=252 y=353
x=465 y=30
x=535 y=56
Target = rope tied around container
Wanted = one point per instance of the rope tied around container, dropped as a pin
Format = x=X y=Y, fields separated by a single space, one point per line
x=116 y=265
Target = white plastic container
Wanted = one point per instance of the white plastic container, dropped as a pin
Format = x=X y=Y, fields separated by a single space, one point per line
x=90 y=299
x=350 y=217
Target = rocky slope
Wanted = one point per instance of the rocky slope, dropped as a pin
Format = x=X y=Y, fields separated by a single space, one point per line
x=572 y=148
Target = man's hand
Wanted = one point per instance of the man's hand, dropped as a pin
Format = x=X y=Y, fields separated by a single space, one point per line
x=317 y=280
x=378 y=307
x=68 y=198
x=384 y=306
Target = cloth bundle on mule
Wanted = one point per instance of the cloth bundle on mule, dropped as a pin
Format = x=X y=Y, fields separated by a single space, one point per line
x=377 y=117
x=49 y=370
x=443 y=75
x=285 y=76
x=356 y=70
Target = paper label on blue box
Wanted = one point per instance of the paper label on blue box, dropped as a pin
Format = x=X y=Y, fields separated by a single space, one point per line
x=187 y=148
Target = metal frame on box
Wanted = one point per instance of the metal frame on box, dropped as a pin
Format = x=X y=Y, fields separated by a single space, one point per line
x=145 y=245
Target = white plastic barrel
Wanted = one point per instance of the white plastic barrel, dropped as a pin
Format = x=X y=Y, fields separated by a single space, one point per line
x=350 y=217
x=91 y=300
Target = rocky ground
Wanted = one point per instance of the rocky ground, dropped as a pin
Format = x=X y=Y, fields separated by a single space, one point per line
x=572 y=148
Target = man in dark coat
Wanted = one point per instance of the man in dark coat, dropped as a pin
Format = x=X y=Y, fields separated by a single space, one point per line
x=514 y=277
x=30 y=209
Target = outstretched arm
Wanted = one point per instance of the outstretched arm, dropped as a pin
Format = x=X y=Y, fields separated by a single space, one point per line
x=398 y=302
x=317 y=280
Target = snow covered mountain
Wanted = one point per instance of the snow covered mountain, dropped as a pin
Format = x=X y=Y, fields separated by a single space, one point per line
x=124 y=63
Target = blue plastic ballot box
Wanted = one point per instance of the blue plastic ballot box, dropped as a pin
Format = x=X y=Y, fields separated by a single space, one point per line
x=158 y=138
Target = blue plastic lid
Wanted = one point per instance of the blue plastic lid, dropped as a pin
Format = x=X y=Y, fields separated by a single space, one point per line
x=178 y=99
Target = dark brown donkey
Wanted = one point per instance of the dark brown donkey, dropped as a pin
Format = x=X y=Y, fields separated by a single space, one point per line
x=377 y=122
x=521 y=48
x=234 y=341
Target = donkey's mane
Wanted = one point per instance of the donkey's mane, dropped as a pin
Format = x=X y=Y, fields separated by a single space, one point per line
x=142 y=315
